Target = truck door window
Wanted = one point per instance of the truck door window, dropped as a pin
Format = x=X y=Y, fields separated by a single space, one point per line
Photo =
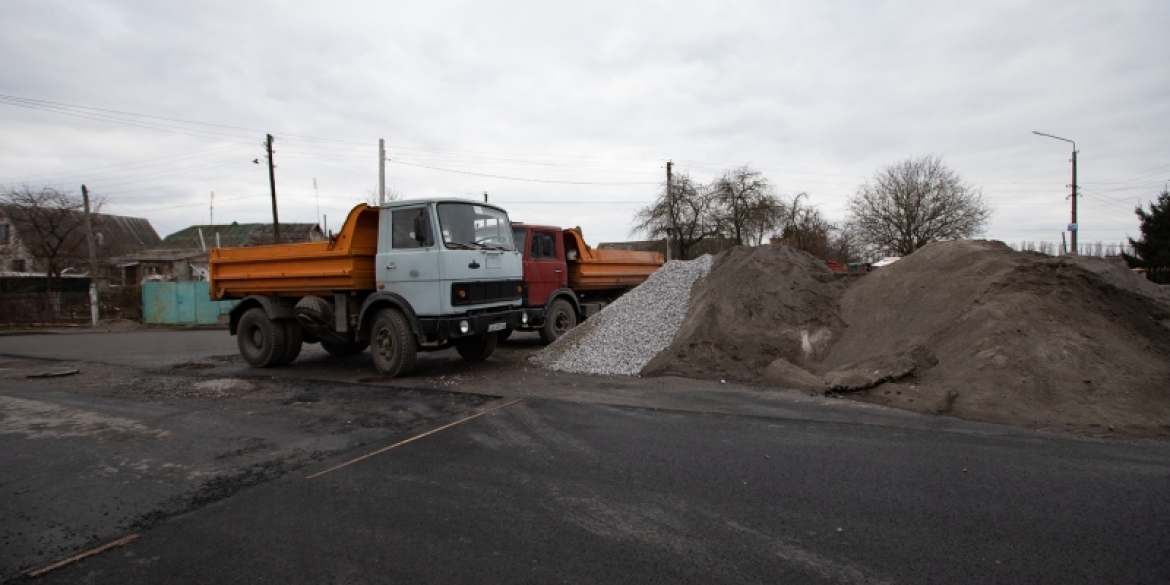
x=402 y=229
x=544 y=246
x=520 y=237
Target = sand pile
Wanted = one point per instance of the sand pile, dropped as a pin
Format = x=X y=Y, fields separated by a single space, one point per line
x=756 y=305
x=1012 y=337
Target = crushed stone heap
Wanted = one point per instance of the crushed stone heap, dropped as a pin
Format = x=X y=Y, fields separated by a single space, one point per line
x=633 y=329
x=756 y=305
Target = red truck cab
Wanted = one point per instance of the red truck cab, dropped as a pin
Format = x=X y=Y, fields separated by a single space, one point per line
x=568 y=281
x=546 y=276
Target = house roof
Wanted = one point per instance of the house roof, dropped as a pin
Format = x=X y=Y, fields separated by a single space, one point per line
x=116 y=235
x=239 y=235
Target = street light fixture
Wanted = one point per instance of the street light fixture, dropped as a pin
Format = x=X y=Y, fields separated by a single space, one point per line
x=1072 y=227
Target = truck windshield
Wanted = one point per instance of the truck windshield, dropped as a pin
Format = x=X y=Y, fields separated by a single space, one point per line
x=466 y=225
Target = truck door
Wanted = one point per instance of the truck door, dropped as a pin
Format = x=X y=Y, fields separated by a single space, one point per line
x=546 y=258
x=408 y=260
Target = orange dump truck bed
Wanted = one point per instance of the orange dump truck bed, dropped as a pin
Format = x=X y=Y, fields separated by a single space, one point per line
x=346 y=263
x=606 y=269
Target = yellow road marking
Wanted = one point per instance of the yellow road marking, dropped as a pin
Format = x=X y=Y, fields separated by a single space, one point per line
x=414 y=438
x=88 y=553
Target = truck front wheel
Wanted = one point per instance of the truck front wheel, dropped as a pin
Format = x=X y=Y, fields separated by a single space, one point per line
x=262 y=342
x=392 y=345
x=477 y=347
x=558 y=321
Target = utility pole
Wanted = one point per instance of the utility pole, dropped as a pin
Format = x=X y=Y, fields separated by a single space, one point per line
x=317 y=197
x=272 y=183
x=1072 y=227
x=670 y=231
x=93 y=295
x=381 y=172
x=212 y=219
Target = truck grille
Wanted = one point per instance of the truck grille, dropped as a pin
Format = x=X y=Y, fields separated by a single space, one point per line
x=474 y=293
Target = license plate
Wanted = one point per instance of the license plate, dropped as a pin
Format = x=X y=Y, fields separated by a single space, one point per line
x=497 y=327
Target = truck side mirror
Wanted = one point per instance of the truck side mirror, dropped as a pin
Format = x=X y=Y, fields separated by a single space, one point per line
x=422 y=229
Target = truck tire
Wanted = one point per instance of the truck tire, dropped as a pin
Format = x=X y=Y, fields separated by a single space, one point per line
x=294 y=338
x=504 y=335
x=392 y=344
x=348 y=348
x=558 y=321
x=477 y=347
x=262 y=341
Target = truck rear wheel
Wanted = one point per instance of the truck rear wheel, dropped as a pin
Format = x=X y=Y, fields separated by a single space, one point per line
x=477 y=347
x=294 y=338
x=348 y=348
x=392 y=344
x=558 y=321
x=262 y=341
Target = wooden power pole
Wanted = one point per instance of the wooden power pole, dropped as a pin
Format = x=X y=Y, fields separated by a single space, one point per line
x=93 y=267
x=272 y=183
x=670 y=232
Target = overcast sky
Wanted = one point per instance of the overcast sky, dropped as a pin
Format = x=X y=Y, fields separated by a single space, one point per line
x=566 y=113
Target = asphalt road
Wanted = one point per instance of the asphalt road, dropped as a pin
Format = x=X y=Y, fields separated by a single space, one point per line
x=567 y=486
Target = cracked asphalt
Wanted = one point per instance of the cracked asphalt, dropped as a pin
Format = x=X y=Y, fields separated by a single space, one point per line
x=166 y=434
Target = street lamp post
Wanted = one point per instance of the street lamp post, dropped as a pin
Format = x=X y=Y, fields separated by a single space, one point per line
x=1072 y=227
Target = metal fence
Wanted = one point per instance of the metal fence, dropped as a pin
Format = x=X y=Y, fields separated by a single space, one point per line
x=30 y=308
x=181 y=303
x=69 y=307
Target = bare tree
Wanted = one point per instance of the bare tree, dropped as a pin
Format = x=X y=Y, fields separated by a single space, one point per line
x=748 y=207
x=689 y=209
x=804 y=228
x=51 y=226
x=844 y=244
x=371 y=197
x=913 y=203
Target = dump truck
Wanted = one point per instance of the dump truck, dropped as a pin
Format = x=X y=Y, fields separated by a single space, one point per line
x=568 y=281
x=409 y=276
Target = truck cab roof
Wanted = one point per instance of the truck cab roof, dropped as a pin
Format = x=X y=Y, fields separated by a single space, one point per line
x=534 y=226
x=429 y=200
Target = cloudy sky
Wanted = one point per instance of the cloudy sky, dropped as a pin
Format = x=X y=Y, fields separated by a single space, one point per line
x=566 y=113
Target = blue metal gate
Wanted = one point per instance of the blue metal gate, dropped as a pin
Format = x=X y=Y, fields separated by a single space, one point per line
x=181 y=303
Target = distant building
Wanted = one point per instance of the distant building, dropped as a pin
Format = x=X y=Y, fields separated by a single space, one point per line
x=25 y=235
x=183 y=255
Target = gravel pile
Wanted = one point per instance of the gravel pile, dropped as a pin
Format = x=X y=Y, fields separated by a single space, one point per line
x=627 y=334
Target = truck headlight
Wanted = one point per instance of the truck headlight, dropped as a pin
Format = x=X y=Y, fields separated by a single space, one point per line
x=464 y=327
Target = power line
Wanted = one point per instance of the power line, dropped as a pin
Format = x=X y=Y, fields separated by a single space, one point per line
x=518 y=178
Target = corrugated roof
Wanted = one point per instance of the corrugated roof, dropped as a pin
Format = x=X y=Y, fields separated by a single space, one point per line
x=116 y=235
x=239 y=235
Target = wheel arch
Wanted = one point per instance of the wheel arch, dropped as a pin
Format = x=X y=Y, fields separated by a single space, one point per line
x=566 y=294
x=274 y=308
x=384 y=300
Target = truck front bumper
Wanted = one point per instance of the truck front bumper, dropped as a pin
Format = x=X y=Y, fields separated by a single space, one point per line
x=440 y=328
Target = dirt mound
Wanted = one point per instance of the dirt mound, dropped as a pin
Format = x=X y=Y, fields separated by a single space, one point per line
x=756 y=305
x=1013 y=337
x=969 y=328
